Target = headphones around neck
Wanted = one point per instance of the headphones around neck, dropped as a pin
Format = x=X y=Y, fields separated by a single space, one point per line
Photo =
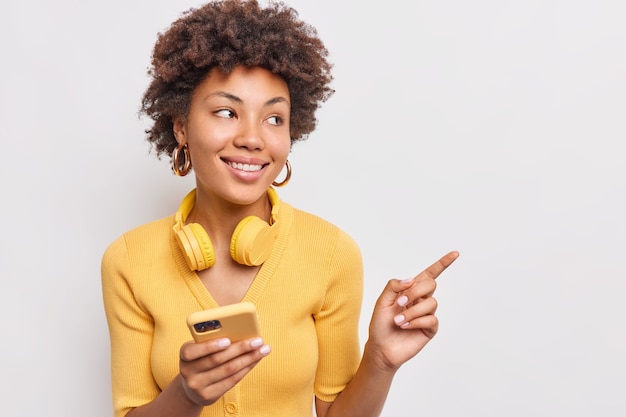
x=250 y=243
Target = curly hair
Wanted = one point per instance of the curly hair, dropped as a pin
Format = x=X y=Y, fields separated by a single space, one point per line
x=226 y=34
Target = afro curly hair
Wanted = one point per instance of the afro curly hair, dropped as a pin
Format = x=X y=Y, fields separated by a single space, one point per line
x=226 y=34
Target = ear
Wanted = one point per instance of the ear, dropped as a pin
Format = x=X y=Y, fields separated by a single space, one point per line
x=179 y=129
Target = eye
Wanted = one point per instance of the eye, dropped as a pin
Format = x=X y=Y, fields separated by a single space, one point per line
x=225 y=113
x=275 y=120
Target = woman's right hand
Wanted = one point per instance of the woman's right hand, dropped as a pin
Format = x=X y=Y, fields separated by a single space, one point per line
x=209 y=369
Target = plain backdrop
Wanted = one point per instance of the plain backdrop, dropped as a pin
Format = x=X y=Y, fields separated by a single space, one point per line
x=494 y=128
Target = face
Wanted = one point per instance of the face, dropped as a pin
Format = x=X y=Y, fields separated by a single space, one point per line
x=237 y=131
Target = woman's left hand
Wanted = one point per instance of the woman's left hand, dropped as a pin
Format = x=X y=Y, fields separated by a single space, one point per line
x=404 y=318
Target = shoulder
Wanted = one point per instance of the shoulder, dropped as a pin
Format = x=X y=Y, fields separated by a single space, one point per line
x=315 y=231
x=141 y=237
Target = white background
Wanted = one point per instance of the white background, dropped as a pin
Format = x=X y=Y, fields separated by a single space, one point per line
x=494 y=128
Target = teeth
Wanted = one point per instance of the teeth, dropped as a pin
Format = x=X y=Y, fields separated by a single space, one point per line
x=245 y=167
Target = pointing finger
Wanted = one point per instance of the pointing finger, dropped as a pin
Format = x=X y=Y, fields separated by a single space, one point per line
x=438 y=267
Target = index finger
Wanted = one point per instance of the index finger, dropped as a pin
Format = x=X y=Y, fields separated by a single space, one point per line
x=438 y=267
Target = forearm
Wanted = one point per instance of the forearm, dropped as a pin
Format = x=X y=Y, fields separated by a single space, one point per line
x=171 y=402
x=366 y=393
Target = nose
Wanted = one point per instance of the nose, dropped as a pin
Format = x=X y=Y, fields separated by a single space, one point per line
x=249 y=136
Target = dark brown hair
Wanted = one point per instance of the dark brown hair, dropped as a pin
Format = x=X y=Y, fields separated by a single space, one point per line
x=226 y=34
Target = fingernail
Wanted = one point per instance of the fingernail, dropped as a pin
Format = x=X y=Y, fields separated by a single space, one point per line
x=256 y=342
x=406 y=281
x=223 y=343
x=402 y=300
x=265 y=350
x=399 y=318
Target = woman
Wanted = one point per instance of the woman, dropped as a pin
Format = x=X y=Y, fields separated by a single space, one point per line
x=234 y=85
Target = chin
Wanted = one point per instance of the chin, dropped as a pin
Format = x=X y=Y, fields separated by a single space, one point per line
x=247 y=195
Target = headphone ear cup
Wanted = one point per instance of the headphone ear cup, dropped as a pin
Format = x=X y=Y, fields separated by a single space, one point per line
x=252 y=241
x=197 y=247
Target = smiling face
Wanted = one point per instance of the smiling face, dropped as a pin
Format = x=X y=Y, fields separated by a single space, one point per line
x=237 y=131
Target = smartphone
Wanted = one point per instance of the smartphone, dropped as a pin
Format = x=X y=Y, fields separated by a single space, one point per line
x=237 y=321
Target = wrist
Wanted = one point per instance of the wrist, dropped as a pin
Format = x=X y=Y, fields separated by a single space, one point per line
x=185 y=395
x=375 y=358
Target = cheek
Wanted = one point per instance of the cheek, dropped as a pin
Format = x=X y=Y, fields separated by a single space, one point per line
x=204 y=144
x=198 y=150
x=282 y=149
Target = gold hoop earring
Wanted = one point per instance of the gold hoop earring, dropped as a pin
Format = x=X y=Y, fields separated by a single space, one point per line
x=181 y=168
x=287 y=178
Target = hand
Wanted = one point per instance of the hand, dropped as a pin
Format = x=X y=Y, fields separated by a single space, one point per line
x=209 y=369
x=404 y=318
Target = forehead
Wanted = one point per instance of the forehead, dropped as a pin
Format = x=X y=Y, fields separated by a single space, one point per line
x=245 y=83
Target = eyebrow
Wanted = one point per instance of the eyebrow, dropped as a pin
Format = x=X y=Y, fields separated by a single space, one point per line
x=234 y=98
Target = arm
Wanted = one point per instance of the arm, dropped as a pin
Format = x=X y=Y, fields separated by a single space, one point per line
x=403 y=322
x=130 y=333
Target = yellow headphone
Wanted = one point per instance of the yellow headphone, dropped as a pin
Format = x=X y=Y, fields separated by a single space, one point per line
x=250 y=244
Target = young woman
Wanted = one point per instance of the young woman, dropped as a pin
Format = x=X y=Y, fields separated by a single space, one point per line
x=234 y=85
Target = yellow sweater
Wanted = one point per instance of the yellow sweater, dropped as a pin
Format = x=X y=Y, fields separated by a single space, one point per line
x=308 y=295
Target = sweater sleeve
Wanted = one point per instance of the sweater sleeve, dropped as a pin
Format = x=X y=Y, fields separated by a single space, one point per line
x=130 y=330
x=337 y=322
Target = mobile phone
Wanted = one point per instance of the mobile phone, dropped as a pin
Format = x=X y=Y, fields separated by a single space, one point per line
x=237 y=321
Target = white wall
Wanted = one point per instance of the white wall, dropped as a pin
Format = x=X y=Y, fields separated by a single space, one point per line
x=495 y=128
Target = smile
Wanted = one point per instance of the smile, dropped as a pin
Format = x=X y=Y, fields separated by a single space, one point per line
x=245 y=167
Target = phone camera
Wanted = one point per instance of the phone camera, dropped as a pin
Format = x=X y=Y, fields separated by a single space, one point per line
x=207 y=326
